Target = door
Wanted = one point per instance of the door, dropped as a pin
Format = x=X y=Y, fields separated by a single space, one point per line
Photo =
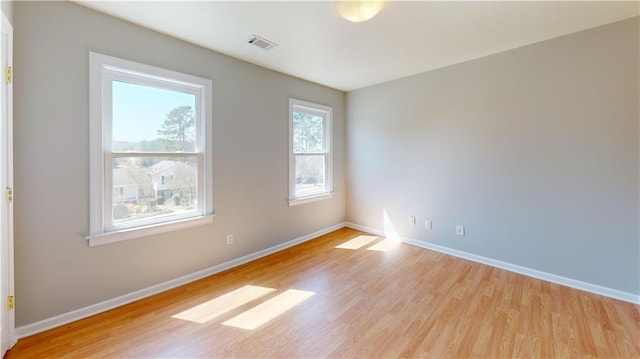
x=7 y=316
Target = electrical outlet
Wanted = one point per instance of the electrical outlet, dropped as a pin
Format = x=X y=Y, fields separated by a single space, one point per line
x=230 y=239
x=412 y=220
x=459 y=230
x=428 y=224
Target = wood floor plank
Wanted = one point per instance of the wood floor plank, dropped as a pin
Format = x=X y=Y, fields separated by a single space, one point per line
x=364 y=297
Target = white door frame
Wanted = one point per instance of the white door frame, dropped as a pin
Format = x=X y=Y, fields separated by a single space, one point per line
x=7 y=315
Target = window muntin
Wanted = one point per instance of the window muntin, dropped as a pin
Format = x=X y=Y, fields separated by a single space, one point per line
x=309 y=151
x=151 y=147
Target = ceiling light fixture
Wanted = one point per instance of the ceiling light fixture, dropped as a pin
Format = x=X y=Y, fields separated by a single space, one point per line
x=359 y=10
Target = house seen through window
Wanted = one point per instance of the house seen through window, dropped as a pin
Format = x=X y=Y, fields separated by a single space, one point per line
x=156 y=122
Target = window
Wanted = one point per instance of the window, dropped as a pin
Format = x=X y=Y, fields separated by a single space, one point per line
x=310 y=163
x=147 y=125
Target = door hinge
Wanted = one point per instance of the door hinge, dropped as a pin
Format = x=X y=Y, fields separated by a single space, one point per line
x=9 y=194
x=10 y=302
x=8 y=74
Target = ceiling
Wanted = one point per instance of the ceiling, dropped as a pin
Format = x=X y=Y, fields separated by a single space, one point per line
x=406 y=38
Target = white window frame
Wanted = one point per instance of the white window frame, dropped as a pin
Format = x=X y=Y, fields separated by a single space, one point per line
x=103 y=70
x=326 y=112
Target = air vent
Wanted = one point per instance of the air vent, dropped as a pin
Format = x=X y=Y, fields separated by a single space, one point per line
x=262 y=43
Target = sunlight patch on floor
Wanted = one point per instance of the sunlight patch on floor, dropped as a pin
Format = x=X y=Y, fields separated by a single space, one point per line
x=384 y=245
x=357 y=243
x=270 y=309
x=204 y=312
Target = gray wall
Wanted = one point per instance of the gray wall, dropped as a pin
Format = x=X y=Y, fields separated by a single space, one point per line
x=7 y=10
x=534 y=150
x=56 y=272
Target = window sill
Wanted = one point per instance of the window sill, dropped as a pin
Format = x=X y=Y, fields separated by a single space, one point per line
x=130 y=233
x=303 y=200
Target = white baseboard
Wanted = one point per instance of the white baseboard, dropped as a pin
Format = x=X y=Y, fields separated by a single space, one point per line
x=549 y=277
x=62 y=319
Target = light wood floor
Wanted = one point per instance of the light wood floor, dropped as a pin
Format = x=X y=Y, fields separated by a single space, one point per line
x=380 y=300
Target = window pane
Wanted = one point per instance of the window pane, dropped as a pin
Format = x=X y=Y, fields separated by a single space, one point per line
x=310 y=175
x=308 y=133
x=153 y=187
x=149 y=119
